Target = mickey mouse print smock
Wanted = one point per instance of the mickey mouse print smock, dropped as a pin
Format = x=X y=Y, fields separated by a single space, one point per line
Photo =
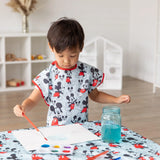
x=66 y=91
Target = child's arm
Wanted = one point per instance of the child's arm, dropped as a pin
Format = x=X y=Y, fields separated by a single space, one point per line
x=102 y=97
x=28 y=103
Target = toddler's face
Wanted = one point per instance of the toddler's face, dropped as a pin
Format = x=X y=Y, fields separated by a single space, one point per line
x=68 y=58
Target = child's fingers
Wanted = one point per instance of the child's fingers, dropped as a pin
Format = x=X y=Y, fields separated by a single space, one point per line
x=18 y=111
x=126 y=98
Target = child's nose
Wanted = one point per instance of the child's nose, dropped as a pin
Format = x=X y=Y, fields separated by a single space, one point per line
x=66 y=60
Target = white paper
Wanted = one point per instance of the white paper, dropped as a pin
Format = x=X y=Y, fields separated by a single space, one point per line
x=67 y=134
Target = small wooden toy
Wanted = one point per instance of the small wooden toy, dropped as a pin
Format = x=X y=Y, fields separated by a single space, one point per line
x=38 y=57
x=12 y=57
x=14 y=83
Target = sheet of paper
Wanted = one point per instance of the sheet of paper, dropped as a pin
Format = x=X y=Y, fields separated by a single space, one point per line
x=68 y=134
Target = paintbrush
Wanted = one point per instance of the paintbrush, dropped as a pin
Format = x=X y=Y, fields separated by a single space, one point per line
x=94 y=157
x=33 y=125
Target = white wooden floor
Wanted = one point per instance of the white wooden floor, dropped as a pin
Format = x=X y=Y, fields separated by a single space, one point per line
x=142 y=115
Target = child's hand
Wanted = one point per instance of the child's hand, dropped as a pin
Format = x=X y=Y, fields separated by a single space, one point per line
x=18 y=110
x=123 y=99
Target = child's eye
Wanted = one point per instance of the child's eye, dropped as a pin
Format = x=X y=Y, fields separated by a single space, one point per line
x=60 y=55
x=72 y=56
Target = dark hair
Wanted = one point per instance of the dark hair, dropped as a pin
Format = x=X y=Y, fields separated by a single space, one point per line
x=65 y=33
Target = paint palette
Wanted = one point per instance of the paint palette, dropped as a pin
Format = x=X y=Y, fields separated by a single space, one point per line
x=55 y=149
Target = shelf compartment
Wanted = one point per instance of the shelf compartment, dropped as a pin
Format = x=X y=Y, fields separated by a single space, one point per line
x=36 y=68
x=39 y=46
x=20 y=72
x=19 y=46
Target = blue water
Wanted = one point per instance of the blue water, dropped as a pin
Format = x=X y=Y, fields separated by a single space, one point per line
x=111 y=133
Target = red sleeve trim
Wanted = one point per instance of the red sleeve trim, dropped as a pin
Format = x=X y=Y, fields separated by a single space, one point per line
x=102 y=80
x=40 y=91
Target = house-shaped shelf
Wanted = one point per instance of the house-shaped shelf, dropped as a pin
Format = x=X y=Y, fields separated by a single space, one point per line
x=107 y=56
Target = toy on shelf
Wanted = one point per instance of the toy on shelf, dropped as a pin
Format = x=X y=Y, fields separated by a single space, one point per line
x=12 y=57
x=38 y=57
x=15 y=83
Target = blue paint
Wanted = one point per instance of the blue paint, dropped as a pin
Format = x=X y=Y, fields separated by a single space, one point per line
x=118 y=158
x=45 y=145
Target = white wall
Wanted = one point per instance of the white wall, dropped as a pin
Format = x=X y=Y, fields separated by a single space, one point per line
x=108 y=18
x=143 y=19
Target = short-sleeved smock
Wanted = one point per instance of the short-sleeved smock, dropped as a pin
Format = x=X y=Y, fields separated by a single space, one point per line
x=66 y=91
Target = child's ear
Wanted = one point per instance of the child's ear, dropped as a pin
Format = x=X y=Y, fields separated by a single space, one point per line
x=52 y=49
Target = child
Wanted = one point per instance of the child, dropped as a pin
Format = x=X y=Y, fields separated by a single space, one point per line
x=66 y=84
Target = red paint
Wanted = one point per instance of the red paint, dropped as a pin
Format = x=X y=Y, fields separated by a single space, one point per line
x=151 y=158
x=66 y=151
x=123 y=135
x=9 y=131
x=45 y=138
x=138 y=146
x=1 y=145
x=35 y=157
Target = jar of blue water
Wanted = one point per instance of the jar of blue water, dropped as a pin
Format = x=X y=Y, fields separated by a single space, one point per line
x=111 y=124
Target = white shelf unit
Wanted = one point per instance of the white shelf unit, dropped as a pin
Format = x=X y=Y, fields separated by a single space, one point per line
x=156 y=81
x=99 y=52
x=107 y=56
x=22 y=45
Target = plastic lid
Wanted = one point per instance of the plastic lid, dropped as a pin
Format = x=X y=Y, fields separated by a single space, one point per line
x=111 y=109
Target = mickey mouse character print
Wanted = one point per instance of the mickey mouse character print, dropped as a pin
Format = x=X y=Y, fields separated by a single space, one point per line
x=66 y=91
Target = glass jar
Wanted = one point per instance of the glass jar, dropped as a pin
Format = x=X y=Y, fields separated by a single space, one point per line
x=111 y=124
